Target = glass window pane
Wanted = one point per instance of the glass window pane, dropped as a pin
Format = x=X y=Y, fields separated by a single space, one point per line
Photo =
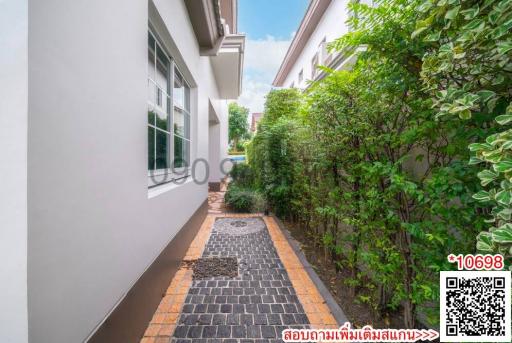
x=178 y=91
x=151 y=63
x=181 y=152
x=181 y=123
x=187 y=98
x=151 y=41
x=162 y=70
x=151 y=148
x=162 y=121
x=152 y=90
x=151 y=70
x=162 y=150
x=151 y=117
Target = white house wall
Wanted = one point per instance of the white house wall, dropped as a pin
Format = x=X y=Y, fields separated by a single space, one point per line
x=13 y=171
x=331 y=26
x=93 y=229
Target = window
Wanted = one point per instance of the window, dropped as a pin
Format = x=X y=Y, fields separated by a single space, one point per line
x=168 y=113
x=301 y=76
x=314 y=64
x=181 y=118
x=323 y=53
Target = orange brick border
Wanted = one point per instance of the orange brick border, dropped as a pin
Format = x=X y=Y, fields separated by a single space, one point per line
x=165 y=319
x=314 y=304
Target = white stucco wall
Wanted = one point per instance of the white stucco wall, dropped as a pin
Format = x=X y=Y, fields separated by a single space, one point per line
x=13 y=171
x=331 y=26
x=92 y=227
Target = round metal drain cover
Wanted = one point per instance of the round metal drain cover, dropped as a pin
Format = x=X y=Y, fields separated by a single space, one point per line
x=238 y=223
x=238 y=226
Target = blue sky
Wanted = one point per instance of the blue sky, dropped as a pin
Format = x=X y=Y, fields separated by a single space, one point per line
x=277 y=18
x=269 y=26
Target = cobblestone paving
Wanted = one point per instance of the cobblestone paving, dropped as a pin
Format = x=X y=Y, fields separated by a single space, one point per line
x=255 y=307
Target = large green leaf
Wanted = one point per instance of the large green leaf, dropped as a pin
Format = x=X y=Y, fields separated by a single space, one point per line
x=485 y=95
x=470 y=13
x=503 y=234
x=482 y=196
x=504 y=47
x=504 y=197
x=504 y=119
x=486 y=176
x=503 y=166
x=484 y=242
x=452 y=13
x=479 y=146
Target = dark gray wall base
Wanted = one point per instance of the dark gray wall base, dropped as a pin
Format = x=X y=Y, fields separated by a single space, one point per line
x=336 y=310
x=214 y=186
x=130 y=318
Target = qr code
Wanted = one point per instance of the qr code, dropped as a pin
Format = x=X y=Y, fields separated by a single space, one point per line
x=475 y=306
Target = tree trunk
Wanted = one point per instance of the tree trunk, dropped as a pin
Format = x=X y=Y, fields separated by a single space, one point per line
x=357 y=239
x=409 y=306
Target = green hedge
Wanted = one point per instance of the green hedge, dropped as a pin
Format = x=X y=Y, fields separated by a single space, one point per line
x=365 y=162
x=244 y=199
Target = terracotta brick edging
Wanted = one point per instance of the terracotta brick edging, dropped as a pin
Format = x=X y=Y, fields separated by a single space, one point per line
x=314 y=304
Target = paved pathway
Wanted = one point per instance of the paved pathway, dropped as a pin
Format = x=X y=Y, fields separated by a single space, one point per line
x=271 y=292
x=255 y=306
x=216 y=200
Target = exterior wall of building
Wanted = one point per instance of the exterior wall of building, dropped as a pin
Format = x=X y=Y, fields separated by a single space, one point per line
x=93 y=226
x=218 y=153
x=13 y=171
x=331 y=26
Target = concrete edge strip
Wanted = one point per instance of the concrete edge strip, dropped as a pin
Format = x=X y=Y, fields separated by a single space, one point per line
x=335 y=309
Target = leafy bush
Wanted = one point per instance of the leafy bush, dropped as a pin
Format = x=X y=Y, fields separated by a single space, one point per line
x=242 y=175
x=468 y=71
x=244 y=199
x=273 y=149
x=238 y=126
x=361 y=163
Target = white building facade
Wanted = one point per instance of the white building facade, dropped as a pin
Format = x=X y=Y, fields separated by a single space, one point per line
x=324 y=22
x=113 y=123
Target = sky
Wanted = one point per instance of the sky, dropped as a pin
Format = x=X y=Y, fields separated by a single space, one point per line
x=269 y=26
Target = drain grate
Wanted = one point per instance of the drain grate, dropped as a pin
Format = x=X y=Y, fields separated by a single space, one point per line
x=238 y=226
x=217 y=266
x=238 y=223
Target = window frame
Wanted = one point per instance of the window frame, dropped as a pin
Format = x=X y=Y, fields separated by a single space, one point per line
x=314 y=64
x=171 y=173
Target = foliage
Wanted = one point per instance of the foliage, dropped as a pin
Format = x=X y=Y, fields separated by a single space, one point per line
x=244 y=199
x=271 y=150
x=281 y=103
x=242 y=174
x=468 y=69
x=360 y=162
x=238 y=126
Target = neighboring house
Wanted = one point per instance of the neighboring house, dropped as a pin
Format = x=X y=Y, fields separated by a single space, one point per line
x=256 y=117
x=110 y=103
x=324 y=21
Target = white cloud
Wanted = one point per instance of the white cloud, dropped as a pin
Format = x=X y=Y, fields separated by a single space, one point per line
x=261 y=62
x=253 y=95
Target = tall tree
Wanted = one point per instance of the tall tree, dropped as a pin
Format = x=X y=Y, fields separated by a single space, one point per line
x=238 y=123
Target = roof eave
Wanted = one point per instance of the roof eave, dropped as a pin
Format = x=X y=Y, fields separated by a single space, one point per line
x=314 y=13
